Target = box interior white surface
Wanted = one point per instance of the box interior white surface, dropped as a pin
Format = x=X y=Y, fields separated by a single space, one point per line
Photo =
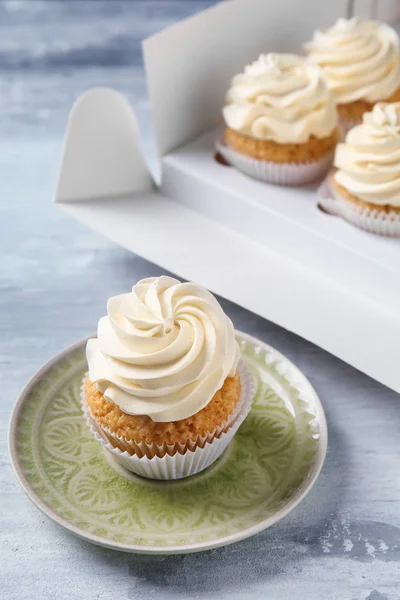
x=284 y=219
x=271 y=256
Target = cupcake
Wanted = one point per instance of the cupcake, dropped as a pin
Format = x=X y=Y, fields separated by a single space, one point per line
x=281 y=121
x=361 y=61
x=364 y=188
x=165 y=390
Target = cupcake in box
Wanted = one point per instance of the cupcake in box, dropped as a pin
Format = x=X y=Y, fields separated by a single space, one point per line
x=364 y=188
x=166 y=389
x=281 y=121
x=361 y=61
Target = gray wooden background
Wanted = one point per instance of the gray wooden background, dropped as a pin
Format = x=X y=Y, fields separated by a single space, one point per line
x=343 y=541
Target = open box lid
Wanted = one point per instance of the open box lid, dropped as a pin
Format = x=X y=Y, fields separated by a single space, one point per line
x=105 y=183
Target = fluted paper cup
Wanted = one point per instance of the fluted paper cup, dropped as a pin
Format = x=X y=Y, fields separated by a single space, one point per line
x=289 y=174
x=178 y=460
x=369 y=219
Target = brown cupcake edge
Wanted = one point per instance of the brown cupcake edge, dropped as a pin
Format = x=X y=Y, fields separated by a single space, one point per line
x=133 y=433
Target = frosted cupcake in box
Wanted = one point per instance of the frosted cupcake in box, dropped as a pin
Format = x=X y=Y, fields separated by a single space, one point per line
x=361 y=61
x=281 y=121
x=166 y=389
x=364 y=187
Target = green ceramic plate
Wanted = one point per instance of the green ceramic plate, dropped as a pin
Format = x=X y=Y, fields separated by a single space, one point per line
x=269 y=467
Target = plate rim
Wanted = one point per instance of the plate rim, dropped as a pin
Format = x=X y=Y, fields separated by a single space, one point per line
x=159 y=550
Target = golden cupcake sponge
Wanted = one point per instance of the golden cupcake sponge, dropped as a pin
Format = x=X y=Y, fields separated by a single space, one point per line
x=268 y=150
x=140 y=428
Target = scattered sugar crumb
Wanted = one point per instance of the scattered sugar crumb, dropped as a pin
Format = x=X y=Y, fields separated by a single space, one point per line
x=384 y=547
x=370 y=549
x=348 y=545
x=326 y=546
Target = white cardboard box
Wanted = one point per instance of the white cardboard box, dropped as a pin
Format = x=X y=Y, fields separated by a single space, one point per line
x=265 y=247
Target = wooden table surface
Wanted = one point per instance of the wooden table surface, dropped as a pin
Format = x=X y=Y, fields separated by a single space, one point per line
x=342 y=542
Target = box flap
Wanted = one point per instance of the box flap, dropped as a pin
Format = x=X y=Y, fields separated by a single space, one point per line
x=101 y=157
x=189 y=65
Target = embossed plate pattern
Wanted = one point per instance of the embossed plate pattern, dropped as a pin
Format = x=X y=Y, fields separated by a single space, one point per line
x=269 y=467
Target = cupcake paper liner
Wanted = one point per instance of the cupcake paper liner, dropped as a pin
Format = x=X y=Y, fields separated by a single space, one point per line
x=179 y=460
x=290 y=174
x=371 y=220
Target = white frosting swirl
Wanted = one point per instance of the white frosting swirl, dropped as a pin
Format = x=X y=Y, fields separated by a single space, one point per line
x=360 y=58
x=283 y=98
x=164 y=350
x=369 y=160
